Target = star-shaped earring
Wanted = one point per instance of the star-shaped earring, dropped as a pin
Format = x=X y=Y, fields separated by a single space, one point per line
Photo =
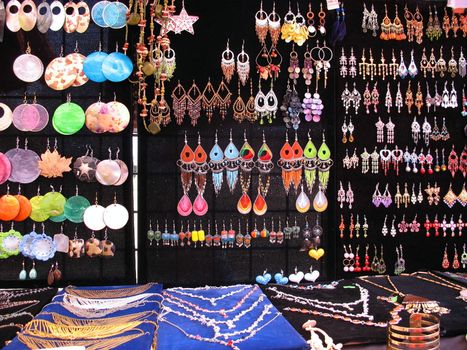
x=183 y=21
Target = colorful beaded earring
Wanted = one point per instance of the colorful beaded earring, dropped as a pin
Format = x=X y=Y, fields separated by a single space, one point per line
x=216 y=164
x=310 y=163
x=228 y=63
x=243 y=65
x=179 y=103
x=200 y=206
x=264 y=165
x=285 y=162
x=231 y=164
x=247 y=164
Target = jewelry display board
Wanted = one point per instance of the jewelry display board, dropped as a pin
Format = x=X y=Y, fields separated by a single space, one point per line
x=83 y=270
x=198 y=58
x=399 y=228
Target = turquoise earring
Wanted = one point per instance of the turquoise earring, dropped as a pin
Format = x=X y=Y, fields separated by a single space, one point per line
x=22 y=274
x=33 y=272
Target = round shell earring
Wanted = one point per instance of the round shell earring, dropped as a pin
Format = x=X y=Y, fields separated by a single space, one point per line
x=28 y=67
x=108 y=171
x=6 y=117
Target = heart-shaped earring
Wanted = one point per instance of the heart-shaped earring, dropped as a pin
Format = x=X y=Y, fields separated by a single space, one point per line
x=280 y=278
x=316 y=253
x=297 y=276
x=264 y=278
x=312 y=276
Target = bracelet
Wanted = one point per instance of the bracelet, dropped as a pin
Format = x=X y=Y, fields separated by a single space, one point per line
x=407 y=345
x=399 y=336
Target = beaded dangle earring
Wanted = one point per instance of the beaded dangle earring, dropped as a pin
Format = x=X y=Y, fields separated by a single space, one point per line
x=201 y=167
x=228 y=63
x=243 y=65
x=216 y=165
x=186 y=164
x=247 y=164
x=193 y=105
x=179 y=103
x=223 y=99
x=209 y=100
x=285 y=162
x=445 y=263
x=239 y=108
x=231 y=164
x=264 y=165
x=261 y=24
x=310 y=163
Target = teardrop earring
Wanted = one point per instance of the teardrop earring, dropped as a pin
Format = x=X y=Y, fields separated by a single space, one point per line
x=22 y=275
x=216 y=165
x=33 y=272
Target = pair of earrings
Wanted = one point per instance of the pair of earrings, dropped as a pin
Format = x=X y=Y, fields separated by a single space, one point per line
x=433 y=28
x=242 y=64
x=370 y=20
x=265 y=24
x=350 y=162
x=404 y=226
x=351 y=98
x=354 y=227
x=371 y=98
x=385 y=199
x=54 y=275
x=390 y=126
x=244 y=111
x=378 y=264
x=23 y=275
x=347 y=128
x=450 y=198
x=344 y=196
x=446 y=264
x=348 y=66
x=392 y=30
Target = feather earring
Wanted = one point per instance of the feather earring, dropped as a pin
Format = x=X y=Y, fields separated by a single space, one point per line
x=216 y=165
x=310 y=163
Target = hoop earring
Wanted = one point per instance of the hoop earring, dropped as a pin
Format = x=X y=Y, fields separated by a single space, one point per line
x=228 y=63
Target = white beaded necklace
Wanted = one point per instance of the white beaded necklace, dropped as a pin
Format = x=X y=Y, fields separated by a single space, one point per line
x=213 y=300
x=330 y=306
x=230 y=323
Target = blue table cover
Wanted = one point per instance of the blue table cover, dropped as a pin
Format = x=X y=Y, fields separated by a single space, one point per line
x=144 y=342
x=274 y=331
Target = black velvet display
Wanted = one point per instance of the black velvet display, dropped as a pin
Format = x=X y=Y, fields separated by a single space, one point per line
x=420 y=252
x=452 y=324
x=43 y=296
x=198 y=57
x=47 y=46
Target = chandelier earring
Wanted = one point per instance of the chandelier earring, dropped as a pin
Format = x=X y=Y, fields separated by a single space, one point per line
x=352 y=64
x=388 y=99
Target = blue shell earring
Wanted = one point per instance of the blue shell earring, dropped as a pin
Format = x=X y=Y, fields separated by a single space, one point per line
x=33 y=272
x=264 y=278
x=22 y=274
x=280 y=278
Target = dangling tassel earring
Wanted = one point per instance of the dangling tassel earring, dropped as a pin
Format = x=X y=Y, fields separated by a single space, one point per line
x=264 y=165
x=216 y=165
x=324 y=163
x=310 y=163
x=285 y=163
x=228 y=63
x=231 y=164
x=201 y=167
x=247 y=163
x=186 y=165
x=297 y=163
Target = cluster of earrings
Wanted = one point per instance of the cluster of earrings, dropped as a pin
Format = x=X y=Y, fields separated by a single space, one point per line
x=406 y=198
x=314 y=164
x=428 y=132
x=351 y=261
x=229 y=236
x=345 y=196
x=455 y=264
x=242 y=65
x=354 y=226
x=444 y=225
x=352 y=99
x=296 y=277
x=386 y=68
x=193 y=102
x=394 y=30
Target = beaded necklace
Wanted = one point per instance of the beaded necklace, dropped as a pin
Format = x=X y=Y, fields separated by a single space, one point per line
x=212 y=300
x=223 y=312
x=230 y=323
x=330 y=306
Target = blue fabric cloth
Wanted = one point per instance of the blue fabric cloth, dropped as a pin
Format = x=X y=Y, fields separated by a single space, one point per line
x=143 y=342
x=274 y=333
